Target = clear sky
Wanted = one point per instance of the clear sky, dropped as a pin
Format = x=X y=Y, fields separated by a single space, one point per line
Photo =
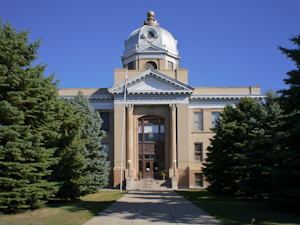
x=222 y=43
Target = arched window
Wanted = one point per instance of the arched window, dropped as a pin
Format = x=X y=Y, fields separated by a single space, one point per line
x=150 y=65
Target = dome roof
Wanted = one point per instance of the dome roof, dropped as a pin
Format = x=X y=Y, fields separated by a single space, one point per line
x=151 y=35
x=162 y=38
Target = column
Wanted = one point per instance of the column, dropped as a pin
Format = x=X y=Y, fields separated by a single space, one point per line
x=129 y=141
x=172 y=135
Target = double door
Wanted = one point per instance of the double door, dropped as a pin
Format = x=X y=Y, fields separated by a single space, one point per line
x=151 y=145
x=150 y=169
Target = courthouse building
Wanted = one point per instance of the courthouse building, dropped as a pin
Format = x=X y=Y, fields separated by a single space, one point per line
x=168 y=122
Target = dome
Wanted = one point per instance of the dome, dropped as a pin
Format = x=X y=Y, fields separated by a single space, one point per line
x=151 y=35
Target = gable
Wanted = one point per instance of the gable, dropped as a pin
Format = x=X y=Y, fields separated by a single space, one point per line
x=152 y=84
x=152 y=81
x=151 y=48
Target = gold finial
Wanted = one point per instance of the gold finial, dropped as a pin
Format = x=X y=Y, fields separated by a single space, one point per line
x=151 y=21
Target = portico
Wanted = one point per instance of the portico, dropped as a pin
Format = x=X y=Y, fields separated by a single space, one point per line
x=151 y=123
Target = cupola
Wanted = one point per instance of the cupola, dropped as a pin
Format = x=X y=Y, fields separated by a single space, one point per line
x=150 y=47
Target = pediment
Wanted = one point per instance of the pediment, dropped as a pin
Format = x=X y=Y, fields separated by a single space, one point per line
x=152 y=82
x=151 y=48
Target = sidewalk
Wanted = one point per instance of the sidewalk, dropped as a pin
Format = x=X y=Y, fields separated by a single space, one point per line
x=160 y=207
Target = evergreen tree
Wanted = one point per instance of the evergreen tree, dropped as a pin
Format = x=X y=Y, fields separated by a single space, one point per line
x=97 y=164
x=286 y=175
x=69 y=170
x=27 y=123
x=259 y=152
x=224 y=163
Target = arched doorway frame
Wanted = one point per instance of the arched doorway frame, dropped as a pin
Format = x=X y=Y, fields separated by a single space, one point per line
x=167 y=139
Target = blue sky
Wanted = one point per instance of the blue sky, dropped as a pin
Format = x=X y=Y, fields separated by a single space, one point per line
x=222 y=43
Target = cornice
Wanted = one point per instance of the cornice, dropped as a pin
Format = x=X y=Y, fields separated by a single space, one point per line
x=226 y=96
x=91 y=97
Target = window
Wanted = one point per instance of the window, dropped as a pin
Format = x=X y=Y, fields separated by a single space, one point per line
x=198 y=125
x=105 y=124
x=106 y=150
x=131 y=66
x=150 y=65
x=162 y=132
x=170 y=65
x=198 y=152
x=198 y=180
x=151 y=130
x=214 y=118
x=150 y=35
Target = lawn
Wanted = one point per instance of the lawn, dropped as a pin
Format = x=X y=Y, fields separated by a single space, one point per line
x=239 y=210
x=65 y=213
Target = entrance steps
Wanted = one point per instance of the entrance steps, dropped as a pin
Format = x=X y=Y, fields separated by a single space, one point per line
x=151 y=184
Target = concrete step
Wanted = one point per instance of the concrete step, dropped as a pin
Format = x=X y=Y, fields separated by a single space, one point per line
x=151 y=184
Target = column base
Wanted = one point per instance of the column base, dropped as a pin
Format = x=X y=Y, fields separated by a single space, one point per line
x=129 y=183
x=174 y=183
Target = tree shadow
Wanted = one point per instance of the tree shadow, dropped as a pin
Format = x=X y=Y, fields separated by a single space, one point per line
x=239 y=210
x=95 y=207
x=155 y=206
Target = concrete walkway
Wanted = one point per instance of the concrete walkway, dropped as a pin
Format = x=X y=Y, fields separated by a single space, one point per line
x=160 y=207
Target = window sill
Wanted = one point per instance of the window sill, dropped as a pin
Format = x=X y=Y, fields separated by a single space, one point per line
x=201 y=132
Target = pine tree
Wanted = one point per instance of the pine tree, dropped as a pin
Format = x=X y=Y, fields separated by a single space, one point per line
x=286 y=175
x=259 y=152
x=27 y=123
x=96 y=159
x=68 y=172
x=224 y=163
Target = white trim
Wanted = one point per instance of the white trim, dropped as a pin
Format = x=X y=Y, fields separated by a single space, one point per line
x=227 y=96
x=181 y=87
x=156 y=99
x=103 y=106
x=90 y=97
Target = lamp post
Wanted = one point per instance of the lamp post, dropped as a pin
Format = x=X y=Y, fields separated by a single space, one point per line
x=174 y=166
x=129 y=161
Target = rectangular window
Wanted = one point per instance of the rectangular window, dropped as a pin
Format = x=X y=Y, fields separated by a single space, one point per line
x=105 y=118
x=162 y=132
x=131 y=65
x=198 y=180
x=198 y=152
x=155 y=166
x=198 y=118
x=140 y=133
x=151 y=132
x=170 y=65
x=106 y=150
x=214 y=118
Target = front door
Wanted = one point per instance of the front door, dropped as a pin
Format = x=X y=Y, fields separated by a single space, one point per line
x=151 y=146
x=148 y=169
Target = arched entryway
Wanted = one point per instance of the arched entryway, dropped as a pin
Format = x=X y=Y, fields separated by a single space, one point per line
x=151 y=145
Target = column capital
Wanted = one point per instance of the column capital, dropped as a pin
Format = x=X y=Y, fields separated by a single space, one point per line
x=173 y=106
x=129 y=107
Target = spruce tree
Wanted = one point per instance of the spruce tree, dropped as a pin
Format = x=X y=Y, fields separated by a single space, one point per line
x=69 y=171
x=286 y=175
x=27 y=123
x=96 y=159
x=261 y=134
x=224 y=162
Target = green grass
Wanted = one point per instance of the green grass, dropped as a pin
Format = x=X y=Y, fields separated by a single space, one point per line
x=65 y=213
x=239 y=211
